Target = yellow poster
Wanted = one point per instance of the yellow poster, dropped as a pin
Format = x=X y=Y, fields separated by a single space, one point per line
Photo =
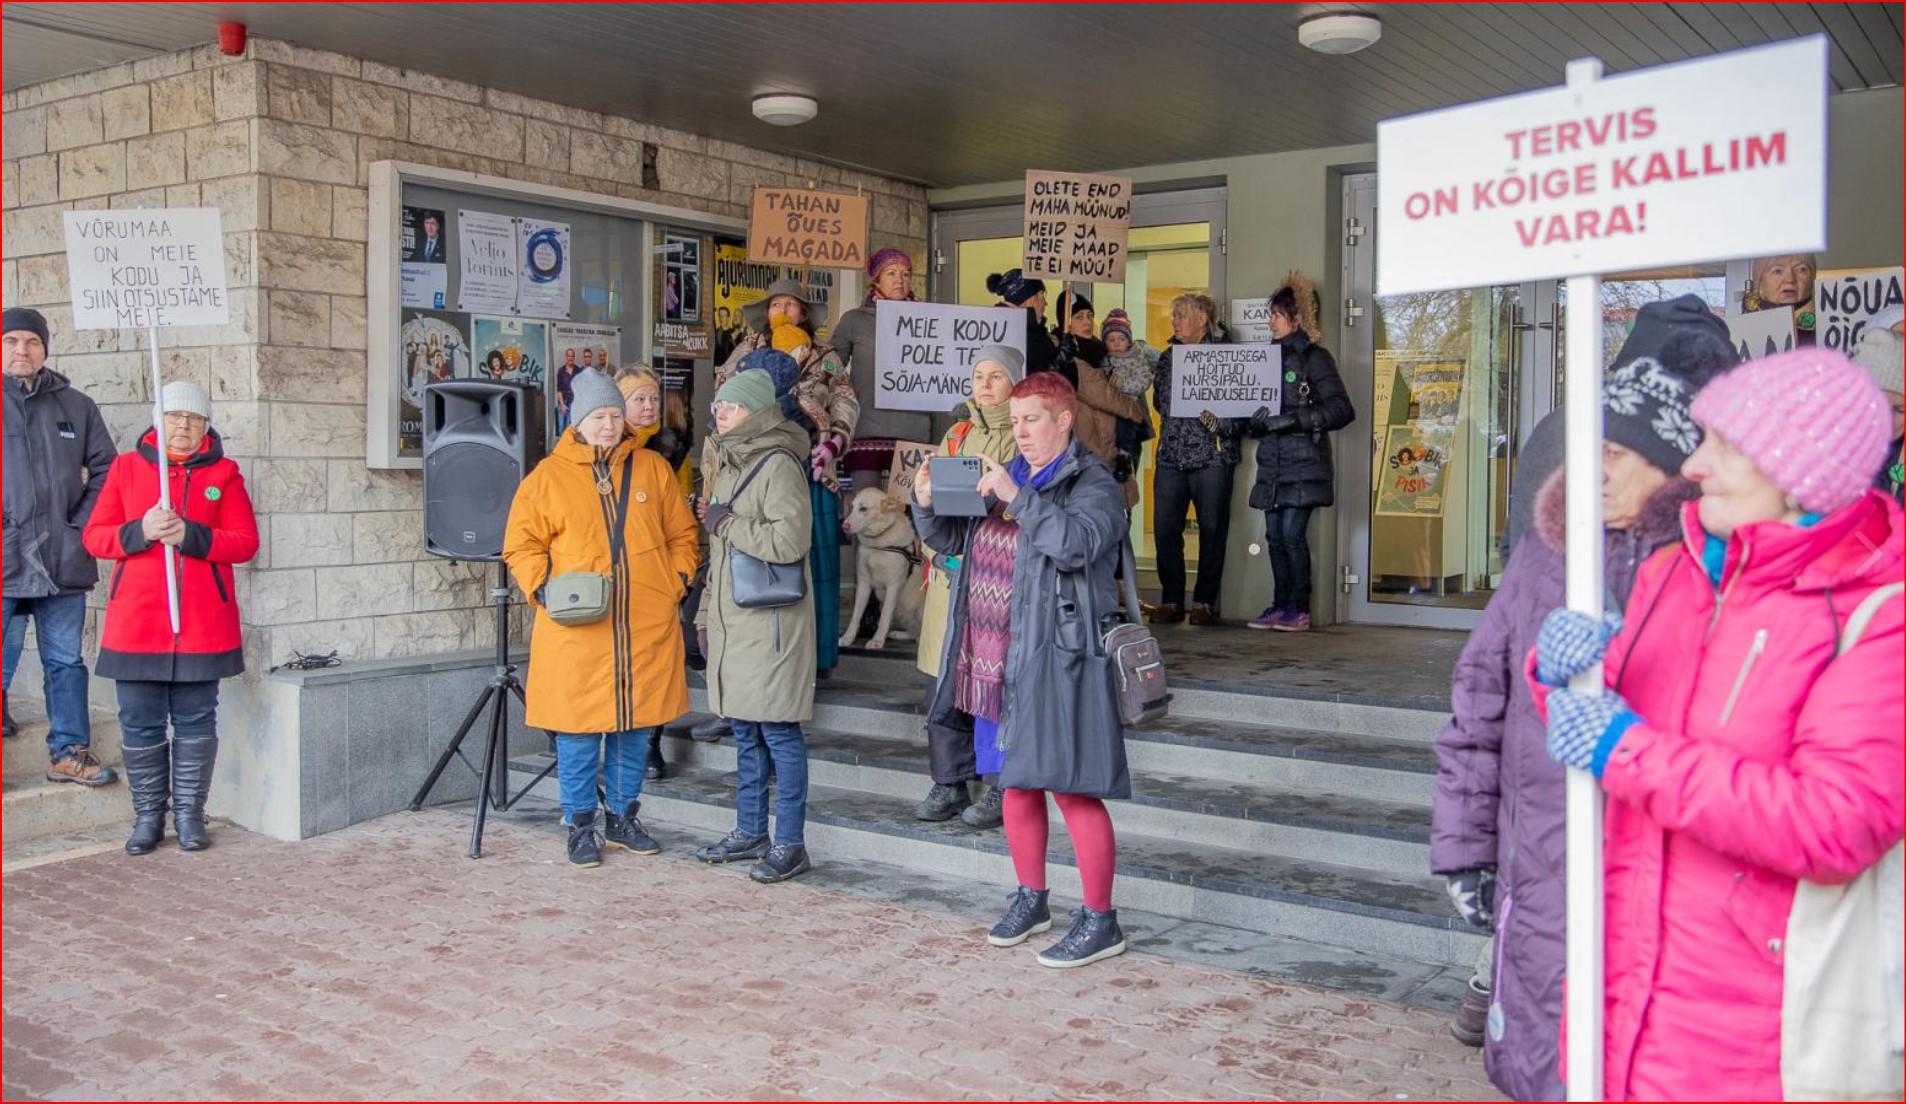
x=739 y=282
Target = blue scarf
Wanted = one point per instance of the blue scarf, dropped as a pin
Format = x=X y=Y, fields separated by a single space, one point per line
x=1022 y=472
x=1714 y=550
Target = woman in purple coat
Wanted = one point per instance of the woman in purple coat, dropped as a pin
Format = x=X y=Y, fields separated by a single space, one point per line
x=1497 y=833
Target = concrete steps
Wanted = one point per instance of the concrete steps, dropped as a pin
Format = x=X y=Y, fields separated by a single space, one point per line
x=1296 y=817
x=34 y=810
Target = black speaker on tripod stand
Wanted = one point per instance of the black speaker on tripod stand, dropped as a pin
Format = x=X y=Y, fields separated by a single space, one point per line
x=481 y=437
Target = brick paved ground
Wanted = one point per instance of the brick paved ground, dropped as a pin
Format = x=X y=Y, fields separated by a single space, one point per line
x=377 y=962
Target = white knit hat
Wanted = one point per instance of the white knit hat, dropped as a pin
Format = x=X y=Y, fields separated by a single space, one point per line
x=1880 y=353
x=186 y=397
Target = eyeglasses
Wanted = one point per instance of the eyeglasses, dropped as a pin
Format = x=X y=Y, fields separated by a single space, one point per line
x=181 y=418
x=717 y=408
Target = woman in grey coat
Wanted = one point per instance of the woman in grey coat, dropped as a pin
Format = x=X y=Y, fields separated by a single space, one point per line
x=1023 y=657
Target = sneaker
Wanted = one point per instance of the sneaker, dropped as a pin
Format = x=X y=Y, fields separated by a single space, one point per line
x=1294 y=622
x=712 y=732
x=1094 y=935
x=626 y=832
x=1472 y=1016
x=943 y=802
x=1026 y=916
x=585 y=847
x=988 y=812
x=1203 y=614
x=1269 y=619
x=736 y=846
x=783 y=861
x=79 y=765
x=1168 y=614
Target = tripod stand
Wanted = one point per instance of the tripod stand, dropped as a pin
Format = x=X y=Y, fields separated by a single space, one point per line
x=494 y=787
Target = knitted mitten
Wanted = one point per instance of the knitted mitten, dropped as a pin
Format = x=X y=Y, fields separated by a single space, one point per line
x=1584 y=728
x=1571 y=642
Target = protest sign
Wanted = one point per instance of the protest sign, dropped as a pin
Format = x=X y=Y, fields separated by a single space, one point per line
x=135 y=269
x=792 y=226
x=1761 y=333
x=1659 y=166
x=1844 y=300
x=1077 y=225
x=1251 y=319
x=924 y=351
x=908 y=458
x=1231 y=381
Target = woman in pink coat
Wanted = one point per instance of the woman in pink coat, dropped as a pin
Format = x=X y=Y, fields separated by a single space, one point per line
x=1738 y=753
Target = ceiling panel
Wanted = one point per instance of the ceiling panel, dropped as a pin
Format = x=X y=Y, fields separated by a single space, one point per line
x=947 y=94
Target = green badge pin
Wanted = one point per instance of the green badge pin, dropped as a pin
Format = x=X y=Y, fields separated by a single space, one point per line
x=213 y=494
x=1290 y=377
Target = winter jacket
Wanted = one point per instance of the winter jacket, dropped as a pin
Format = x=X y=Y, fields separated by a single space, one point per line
x=761 y=661
x=1074 y=526
x=1293 y=451
x=1185 y=443
x=988 y=433
x=823 y=394
x=57 y=453
x=208 y=492
x=853 y=339
x=1499 y=797
x=625 y=671
x=1101 y=406
x=1760 y=759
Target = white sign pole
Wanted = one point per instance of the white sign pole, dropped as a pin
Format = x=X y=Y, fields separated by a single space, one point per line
x=165 y=484
x=1583 y=463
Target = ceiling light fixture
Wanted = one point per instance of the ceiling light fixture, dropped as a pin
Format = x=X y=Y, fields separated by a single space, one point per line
x=1340 y=32
x=783 y=110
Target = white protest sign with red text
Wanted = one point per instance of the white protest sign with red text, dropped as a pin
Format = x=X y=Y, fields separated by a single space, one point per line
x=1659 y=166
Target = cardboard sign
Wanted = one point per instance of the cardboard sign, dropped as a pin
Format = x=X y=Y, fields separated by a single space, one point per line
x=792 y=226
x=923 y=352
x=1077 y=225
x=1761 y=333
x=1231 y=381
x=1844 y=300
x=1251 y=319
x=908 y=458
x=1667 y=165
x=133 y=269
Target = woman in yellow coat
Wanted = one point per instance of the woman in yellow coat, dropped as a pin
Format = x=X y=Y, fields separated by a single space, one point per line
x=605 y=685
x=988 y=432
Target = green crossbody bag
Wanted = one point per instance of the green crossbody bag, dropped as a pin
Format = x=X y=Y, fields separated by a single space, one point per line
x=583 y=597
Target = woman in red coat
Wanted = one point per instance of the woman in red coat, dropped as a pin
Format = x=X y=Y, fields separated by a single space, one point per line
x=160 y=676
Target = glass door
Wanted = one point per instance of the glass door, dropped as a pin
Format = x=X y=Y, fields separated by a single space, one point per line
x=1173 y=239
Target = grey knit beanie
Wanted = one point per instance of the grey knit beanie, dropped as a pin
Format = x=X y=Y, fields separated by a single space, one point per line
x=1006 y=357
x=591 y=391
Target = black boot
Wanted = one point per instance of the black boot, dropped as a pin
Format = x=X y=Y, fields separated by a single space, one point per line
x=192 y=758
x=989 y=811
x=657 y=767
x=736 y=846
x=626 y=832
x=149 y=780
x=585 y=847
x=943 y=802
x=783 y=861
x=1027 y=914
x=8 y=727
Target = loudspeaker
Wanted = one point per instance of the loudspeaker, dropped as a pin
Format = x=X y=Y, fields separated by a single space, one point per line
x=481 y=437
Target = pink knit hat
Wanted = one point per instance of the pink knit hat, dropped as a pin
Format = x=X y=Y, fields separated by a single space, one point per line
x=1810 y=419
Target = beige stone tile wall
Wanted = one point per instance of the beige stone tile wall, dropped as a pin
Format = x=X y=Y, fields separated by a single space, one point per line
x=281 y=140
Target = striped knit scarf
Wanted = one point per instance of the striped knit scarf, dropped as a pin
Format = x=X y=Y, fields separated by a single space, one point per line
x=980 y=676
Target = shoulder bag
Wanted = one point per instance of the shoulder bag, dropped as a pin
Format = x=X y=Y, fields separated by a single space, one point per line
x=584 y=597
x=755 y=583
x=1138 y=665
x=1841 y=1032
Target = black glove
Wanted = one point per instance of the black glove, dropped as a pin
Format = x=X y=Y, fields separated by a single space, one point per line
x=1473 y=892
x=1266 y=422
x=1122 y=468
x=716 y=517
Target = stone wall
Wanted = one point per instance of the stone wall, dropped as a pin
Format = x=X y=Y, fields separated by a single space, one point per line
x=281 y=140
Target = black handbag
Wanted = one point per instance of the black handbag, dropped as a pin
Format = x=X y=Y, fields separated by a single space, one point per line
x=755 y=583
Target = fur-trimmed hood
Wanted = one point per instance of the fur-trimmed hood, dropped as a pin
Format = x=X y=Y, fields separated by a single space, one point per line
x=1308 y=303
x=1659 y=523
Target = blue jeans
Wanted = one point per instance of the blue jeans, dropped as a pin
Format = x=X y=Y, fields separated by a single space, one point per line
x=755 y=743
x=144 y=708
x=60 y=623
x=1286 y=537
x=618 y=757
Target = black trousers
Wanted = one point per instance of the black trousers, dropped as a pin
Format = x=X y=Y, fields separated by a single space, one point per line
x=146 y=707
x=1287 y=539
x=949 y=747
x=1174 y=491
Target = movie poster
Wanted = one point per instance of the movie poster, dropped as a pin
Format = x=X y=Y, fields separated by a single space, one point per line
x=514 y=350
x=573 y=347
x=434 y=345
x=681 y=330
x=739 y=282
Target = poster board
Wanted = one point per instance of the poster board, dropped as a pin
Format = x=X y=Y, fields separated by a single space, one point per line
x=1231 y=381
x=812 y=229
x=681 y=330
x=1844 y=299
x=924 y=351
x=739 y=283
x=1414 y=471
x=1077 y=226
x=908 y=457
x=134 y=269
x=1761 y=333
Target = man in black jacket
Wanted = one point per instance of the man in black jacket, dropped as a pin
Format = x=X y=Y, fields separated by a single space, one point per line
x=57 y=453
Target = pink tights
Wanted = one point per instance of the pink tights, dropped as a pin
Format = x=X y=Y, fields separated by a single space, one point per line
x=1090 y=827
